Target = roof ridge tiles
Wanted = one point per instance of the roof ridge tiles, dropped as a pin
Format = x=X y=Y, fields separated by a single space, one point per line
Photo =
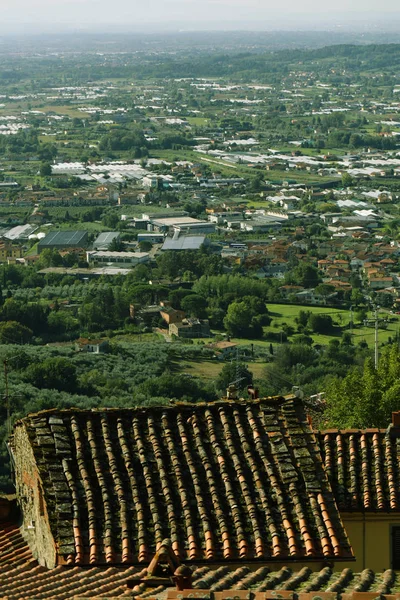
x=272 y=401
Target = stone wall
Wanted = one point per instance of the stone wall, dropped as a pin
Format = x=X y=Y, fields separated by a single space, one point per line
x=35 y=527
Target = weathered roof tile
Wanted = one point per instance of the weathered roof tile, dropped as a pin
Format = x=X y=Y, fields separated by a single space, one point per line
x=226 y=480
x=363 y=468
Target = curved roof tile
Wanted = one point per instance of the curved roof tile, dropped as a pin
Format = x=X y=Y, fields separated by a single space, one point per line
x=237 y=480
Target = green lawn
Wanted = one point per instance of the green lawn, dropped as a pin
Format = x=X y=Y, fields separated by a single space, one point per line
x=283 y=313
x=197 y=121
x=208 y=370
x=62 y=110
x=139 y=338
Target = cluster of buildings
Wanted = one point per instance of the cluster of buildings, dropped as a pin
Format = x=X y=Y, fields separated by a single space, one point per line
x=175 y=322
x=346 y=254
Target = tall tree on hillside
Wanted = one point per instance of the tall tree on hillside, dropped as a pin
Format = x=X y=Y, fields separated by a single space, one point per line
x=367 y=398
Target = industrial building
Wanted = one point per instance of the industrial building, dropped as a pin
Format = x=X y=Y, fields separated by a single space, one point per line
x=117 y=258
x=184 y=224
x=153 y=238
x=184 y=242
x=20 y=232
x=105 y=239
x=60 y=240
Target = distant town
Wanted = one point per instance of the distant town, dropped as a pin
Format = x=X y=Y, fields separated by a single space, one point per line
x=205 y=220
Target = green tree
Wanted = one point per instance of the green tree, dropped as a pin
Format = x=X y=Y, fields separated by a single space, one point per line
x=170 y=386
x=302 y=317
x=366 y=398
x=194 y=305
x=324 y=290
x=145 y=246
x=110 y=220
x=45 y=169
x=356 y=297
x=361 y=315
x=60 y=321
x=116 y=245
x=232 y=372
x=50 y=257
x=12 y=332
x=91 y=317
x=52 y=373
x=320 y=323
x=347 y=179
x=242 y=321
x=306 y=275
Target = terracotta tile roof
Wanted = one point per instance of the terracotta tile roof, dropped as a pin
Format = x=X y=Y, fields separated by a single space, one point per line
x=286 y=580
x=22 y=577
x=228 y=480
x=363 y=468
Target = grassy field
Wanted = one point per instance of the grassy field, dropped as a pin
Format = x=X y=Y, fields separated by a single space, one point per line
x=139 y=338
x=199 y=121
x=283 y=313
x=66 y=110
x=210 y=369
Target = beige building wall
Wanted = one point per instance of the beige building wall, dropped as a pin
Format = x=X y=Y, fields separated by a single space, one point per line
x=370 y=537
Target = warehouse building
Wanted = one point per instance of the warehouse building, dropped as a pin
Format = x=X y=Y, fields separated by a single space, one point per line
x=20 y=232
x=105 y=239
x=153 y=238
x=117 y=258
x=60 y=240
x=184 y=242
x=183 y=224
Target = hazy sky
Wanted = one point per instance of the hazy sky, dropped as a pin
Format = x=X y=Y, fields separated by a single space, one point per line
x=213 y=14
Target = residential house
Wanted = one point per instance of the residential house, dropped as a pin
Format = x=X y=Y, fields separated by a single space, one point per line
x=362 y=467
x=287 y=290
x=276 y=267
x=378 y=283
x=324 y=264
x=223 y=349
x=387 y=263
x=39 y=217
x=306 y=296
x=171 y=315
x=91 y=346
x=387 y=296
x=190 y=328
x=8 y=250
x=339 y=285
x=356 y=263
x=147 y=314
x=336 y=273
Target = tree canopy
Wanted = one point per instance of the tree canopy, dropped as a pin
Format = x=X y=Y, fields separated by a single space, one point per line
x=366 y=397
